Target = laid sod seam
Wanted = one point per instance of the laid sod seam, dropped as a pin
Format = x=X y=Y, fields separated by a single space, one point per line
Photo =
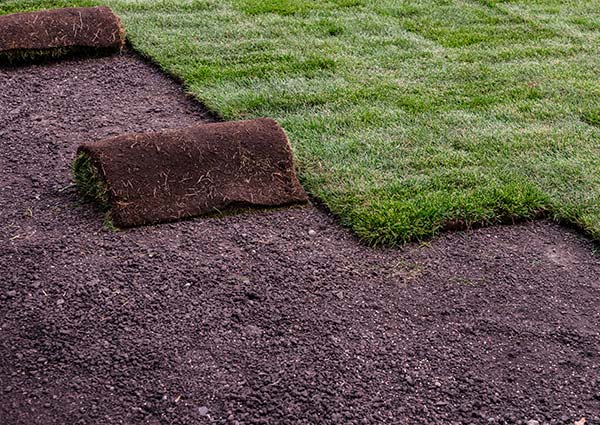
x=405 y=117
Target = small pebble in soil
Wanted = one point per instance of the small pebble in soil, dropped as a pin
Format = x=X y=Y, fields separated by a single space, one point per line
x=203 y=410
x=312 y=232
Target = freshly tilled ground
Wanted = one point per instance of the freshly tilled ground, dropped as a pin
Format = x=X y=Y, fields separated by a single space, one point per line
x=279 y=317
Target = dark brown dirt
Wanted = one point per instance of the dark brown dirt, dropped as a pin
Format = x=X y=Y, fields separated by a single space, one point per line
x=278 y=318
x=86 y=27
x=165 y=176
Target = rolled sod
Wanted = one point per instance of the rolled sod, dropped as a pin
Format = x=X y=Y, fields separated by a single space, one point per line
x=158 y=177
x=56 y=32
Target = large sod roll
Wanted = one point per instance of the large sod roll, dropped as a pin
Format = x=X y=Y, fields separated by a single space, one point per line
x=51 y=33
x=165 y=176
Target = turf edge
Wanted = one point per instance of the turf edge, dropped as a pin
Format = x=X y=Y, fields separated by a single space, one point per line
x=92 y=185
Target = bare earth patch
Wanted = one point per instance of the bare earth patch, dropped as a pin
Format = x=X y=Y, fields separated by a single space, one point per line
x=278 y=317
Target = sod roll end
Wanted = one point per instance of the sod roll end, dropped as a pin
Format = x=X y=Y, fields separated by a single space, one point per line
x=56 y=32
x=159 y=177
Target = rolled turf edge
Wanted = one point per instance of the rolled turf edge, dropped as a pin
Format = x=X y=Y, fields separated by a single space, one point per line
x=54 y=33
x=89 y=181
x=149 y=178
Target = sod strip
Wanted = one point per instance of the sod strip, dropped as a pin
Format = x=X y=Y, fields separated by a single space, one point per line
x=159 y=177
x=59 y=32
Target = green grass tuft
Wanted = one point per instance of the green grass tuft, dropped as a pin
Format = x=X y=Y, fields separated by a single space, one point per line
x=89 y=181
x=592 y=117
x=92 y=186
x=109 y=224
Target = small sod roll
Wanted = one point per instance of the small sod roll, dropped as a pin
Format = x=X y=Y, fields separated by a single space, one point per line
x=159 y=177
x=55 y=32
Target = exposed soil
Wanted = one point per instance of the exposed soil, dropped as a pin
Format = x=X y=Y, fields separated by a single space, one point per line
x=208 y=168
x=43 y=31
x=279 y=317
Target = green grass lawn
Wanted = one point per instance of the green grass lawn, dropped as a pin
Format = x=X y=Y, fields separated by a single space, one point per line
x=405 y=117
